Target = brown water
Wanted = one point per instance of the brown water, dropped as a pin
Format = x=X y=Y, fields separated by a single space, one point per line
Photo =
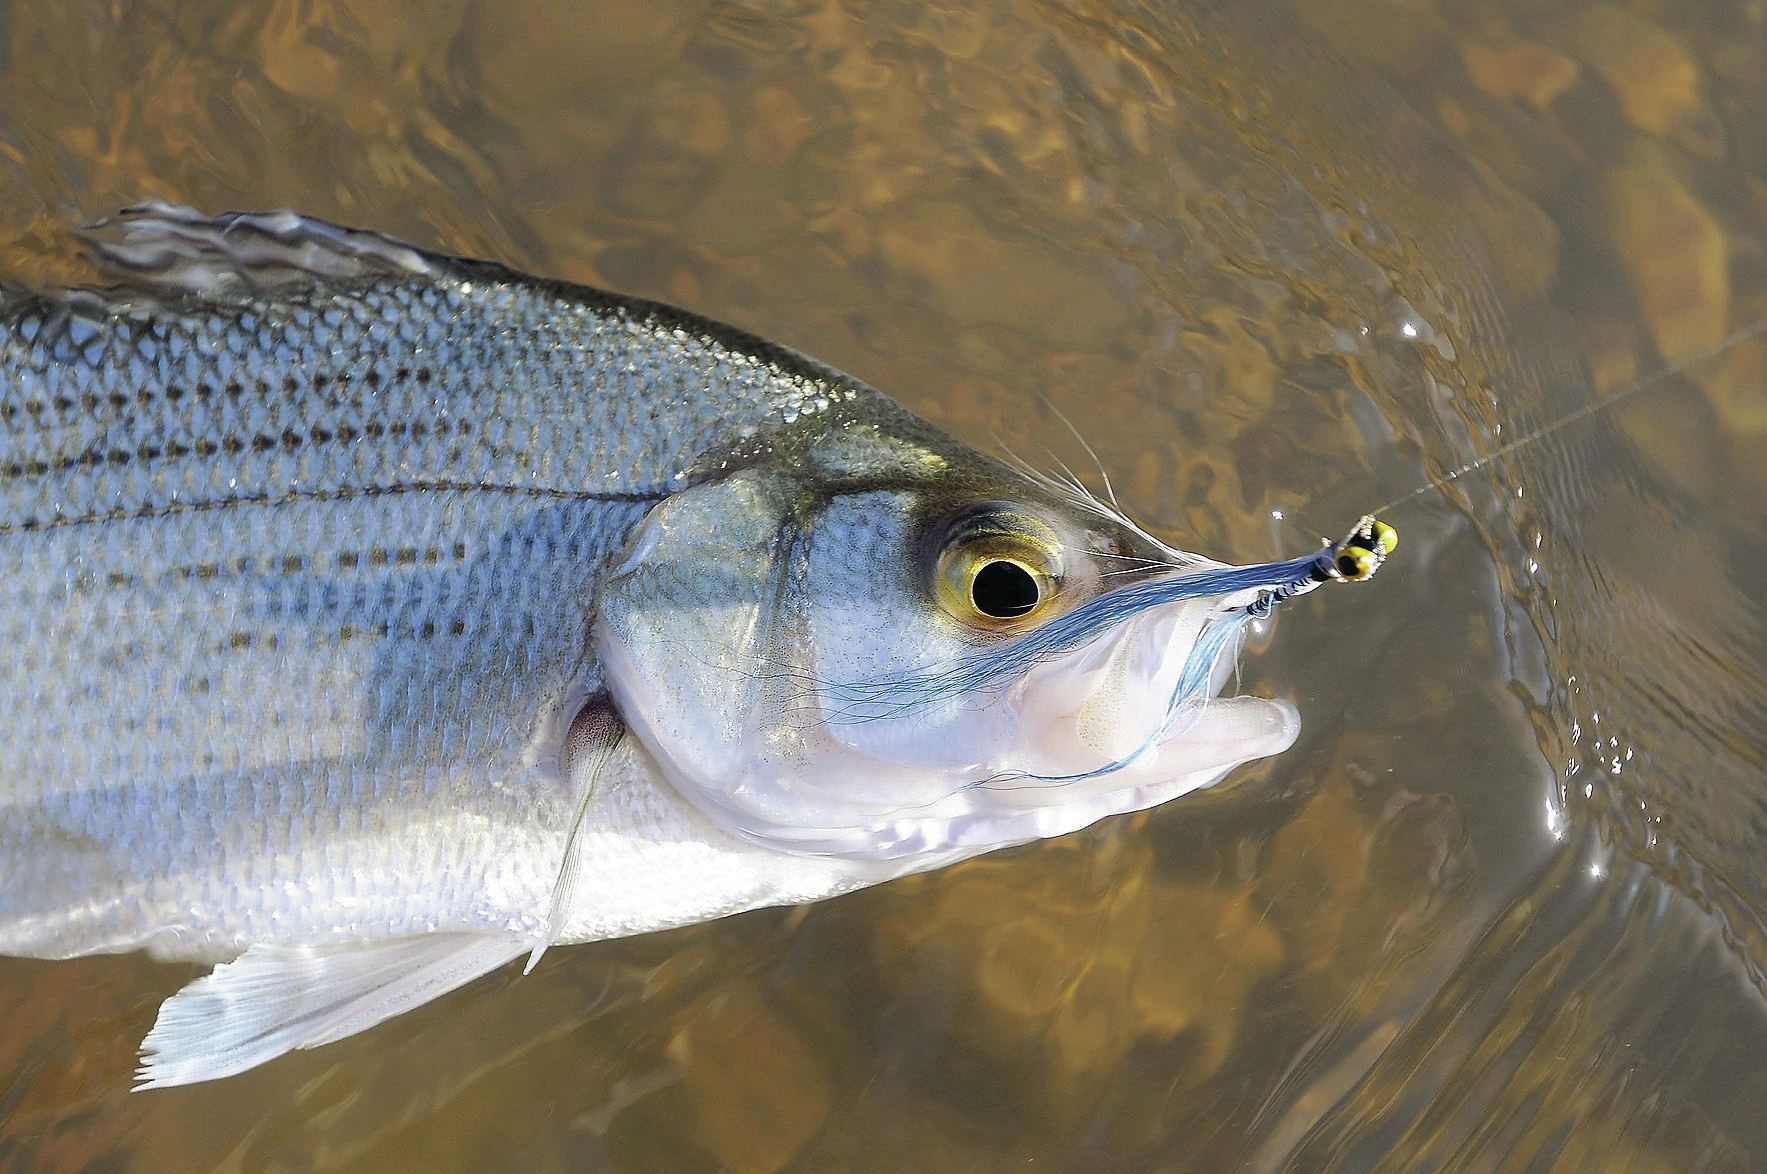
x=1503 y=907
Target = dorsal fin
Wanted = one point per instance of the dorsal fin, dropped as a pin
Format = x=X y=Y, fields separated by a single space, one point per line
x=168 y=249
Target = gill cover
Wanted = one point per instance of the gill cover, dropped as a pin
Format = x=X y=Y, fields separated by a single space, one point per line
x=729 y=629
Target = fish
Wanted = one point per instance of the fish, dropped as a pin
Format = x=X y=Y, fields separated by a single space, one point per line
x=377 y=618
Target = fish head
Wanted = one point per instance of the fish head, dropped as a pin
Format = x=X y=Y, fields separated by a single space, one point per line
x=880 y=646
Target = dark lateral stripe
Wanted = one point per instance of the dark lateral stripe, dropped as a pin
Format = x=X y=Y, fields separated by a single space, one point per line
x=34 y=526
x=289 y=440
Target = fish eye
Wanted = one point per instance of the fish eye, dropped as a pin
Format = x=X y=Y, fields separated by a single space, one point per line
x=999 y=568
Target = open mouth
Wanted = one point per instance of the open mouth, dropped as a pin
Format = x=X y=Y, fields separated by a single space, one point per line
x=1137 y=711
x=1125 y=721
x=1126 y=703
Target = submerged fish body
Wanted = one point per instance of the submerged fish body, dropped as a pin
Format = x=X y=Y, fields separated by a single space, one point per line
x=375 y=618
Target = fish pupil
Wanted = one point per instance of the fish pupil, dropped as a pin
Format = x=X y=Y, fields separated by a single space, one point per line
x=1004 y=590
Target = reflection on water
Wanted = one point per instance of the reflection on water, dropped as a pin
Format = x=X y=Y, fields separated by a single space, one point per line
x=1504 y=903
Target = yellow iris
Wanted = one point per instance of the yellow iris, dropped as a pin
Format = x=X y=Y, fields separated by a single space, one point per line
x=999 y=568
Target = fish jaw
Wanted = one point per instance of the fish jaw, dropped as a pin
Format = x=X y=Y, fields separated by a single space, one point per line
x=1222 y=734
x=1126 y=721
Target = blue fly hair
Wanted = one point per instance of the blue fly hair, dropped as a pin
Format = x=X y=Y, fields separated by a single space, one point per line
x=901 y=694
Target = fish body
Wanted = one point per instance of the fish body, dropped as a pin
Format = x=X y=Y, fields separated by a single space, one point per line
x=289 y=578
x=375 y=618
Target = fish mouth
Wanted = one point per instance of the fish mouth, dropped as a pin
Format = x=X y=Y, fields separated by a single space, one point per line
x=1124 y=723
x=1110 y=708
x=1223 y=734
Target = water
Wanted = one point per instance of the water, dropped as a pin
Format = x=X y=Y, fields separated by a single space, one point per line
x=1504 y=905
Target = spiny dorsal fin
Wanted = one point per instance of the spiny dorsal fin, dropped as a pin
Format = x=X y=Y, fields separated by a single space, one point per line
x=170 y=249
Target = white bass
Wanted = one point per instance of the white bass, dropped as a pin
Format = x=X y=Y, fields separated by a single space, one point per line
x=374 y=618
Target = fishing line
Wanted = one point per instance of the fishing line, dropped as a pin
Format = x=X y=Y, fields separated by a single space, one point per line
x=1602 y=403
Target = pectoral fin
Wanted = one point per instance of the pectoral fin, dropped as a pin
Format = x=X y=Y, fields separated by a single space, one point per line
x=594 y=736
x=273 y=999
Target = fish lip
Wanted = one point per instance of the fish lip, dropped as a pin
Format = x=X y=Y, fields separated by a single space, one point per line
x=1018 y=810
x=1209 y=738
x=1279 y=714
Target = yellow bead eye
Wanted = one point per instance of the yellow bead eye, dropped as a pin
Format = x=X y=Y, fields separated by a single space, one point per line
x=1386 y=536
x=999 y=568
x=1354 y=563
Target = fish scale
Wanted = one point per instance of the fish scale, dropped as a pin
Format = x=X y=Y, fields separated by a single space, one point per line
x=302 y=552
x=493 y=392
x=294 y=692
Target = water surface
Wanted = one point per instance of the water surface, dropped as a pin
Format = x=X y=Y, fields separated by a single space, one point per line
x=1504 y=905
